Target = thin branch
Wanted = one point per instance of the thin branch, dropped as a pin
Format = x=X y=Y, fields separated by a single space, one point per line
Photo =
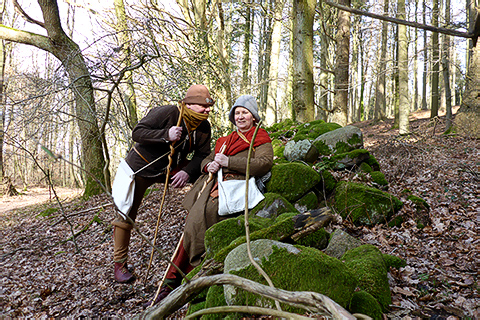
x=407 y=23
x=248 y=310
x=247 y=228
x=26 y=16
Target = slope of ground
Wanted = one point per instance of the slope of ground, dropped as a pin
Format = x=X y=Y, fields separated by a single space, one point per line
x=46 y=274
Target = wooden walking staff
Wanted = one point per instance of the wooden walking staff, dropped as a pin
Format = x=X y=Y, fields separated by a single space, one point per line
x=167 y=177
x=210 y=177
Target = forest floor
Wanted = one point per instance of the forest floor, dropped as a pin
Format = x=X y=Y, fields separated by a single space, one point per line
x=46 y=274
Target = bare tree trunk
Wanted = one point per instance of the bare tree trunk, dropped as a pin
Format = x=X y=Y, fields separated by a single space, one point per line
x=396 y=82
x=436 y=63
x=323 y=79
x=2 y=97
x=467 y=120
x=271 y=112
x=404 y=106
x=446 y=70
x=245 y=85
x=380 y=100
x=124 y=43
x=340 y=103
x=415 y=63
x=425 y=61
x=303 y=86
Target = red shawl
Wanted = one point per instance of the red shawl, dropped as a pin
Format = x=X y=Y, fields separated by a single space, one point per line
x=234 y=143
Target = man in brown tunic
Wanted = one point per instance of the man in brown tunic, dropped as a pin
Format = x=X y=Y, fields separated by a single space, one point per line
x=153 y=136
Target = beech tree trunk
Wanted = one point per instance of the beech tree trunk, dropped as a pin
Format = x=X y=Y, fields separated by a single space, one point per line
x=380 y=100
x=404 y=106
x=303 y=86
x=340 y=102
x=436 y=64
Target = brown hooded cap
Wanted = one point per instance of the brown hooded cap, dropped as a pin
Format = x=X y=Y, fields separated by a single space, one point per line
x=198 y=94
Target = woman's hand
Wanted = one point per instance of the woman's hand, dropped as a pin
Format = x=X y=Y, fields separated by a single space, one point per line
x=221 y=159
x=213 y=167
x=180 y=179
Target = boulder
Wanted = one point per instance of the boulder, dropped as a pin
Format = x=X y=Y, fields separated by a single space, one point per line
x=365 y=205
x=294 y=268
x=367 y=264
x=340 y=242
x=341 y=140
x=314 y=129
x=292 y=180
x=272 y=206
x=302 y=150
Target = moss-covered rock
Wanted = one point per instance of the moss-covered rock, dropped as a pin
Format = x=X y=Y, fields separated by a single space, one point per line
x=312 y=130
x=292 y=180
x=365 y=167
x=367 y=264
x=307 y=202
x=379 y=178
x=340 y=140
x=315 y=271
x=364 y=303
x=373 y=163
x=328 y=183
x=349 y=159
x=278 y=148
x=340 y=242
x=365 y=205
x=302 y=150
x=223 y=233
x=215 y=298
x=317 y=239
x=283 y=228
x=393 y=261
x=272 y=206
x=419 y=203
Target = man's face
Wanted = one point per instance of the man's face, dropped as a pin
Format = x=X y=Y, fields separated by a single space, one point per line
x=199 y=108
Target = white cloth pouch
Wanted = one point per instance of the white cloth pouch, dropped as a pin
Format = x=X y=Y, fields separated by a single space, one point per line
x=231 y=195
x=123 y=188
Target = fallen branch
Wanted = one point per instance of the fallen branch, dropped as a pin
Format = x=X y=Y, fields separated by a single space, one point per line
x=248 y=310
x=311 y=301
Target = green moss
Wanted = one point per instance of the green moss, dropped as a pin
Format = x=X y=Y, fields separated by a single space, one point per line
x=365 y=167
x=47 y=212
x=314 y=129
x=215 y=298
x=318 y=239
x=396 y=221
x=367 y=264
x=379 y=178
x=223 y=233
x=278 y=148
x=316 y=272
x=281 y=126
x=309 y=201
x=364 y=205
x=364 y=303
x=393 y=261
x=372 y=162
x=281 y=229
x=292 y=180
x=329 y=182
x=420 y=204
x=322 y=147
x=198 y=303
x=357 y=153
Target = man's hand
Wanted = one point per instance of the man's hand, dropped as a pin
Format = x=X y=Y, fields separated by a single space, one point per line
x=180 y=179
x=174 y=133
x=213 y=167
x=221 y=159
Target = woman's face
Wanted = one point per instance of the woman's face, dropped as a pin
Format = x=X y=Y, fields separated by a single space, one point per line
x=243 y=119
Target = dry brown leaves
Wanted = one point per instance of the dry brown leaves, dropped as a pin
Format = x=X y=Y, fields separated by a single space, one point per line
x=45 y=274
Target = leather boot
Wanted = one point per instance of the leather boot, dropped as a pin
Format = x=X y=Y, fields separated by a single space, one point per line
x=122 y=274
x=121 y=239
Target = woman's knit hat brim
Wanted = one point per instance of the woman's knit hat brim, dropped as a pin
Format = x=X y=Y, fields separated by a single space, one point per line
x=249 y=103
